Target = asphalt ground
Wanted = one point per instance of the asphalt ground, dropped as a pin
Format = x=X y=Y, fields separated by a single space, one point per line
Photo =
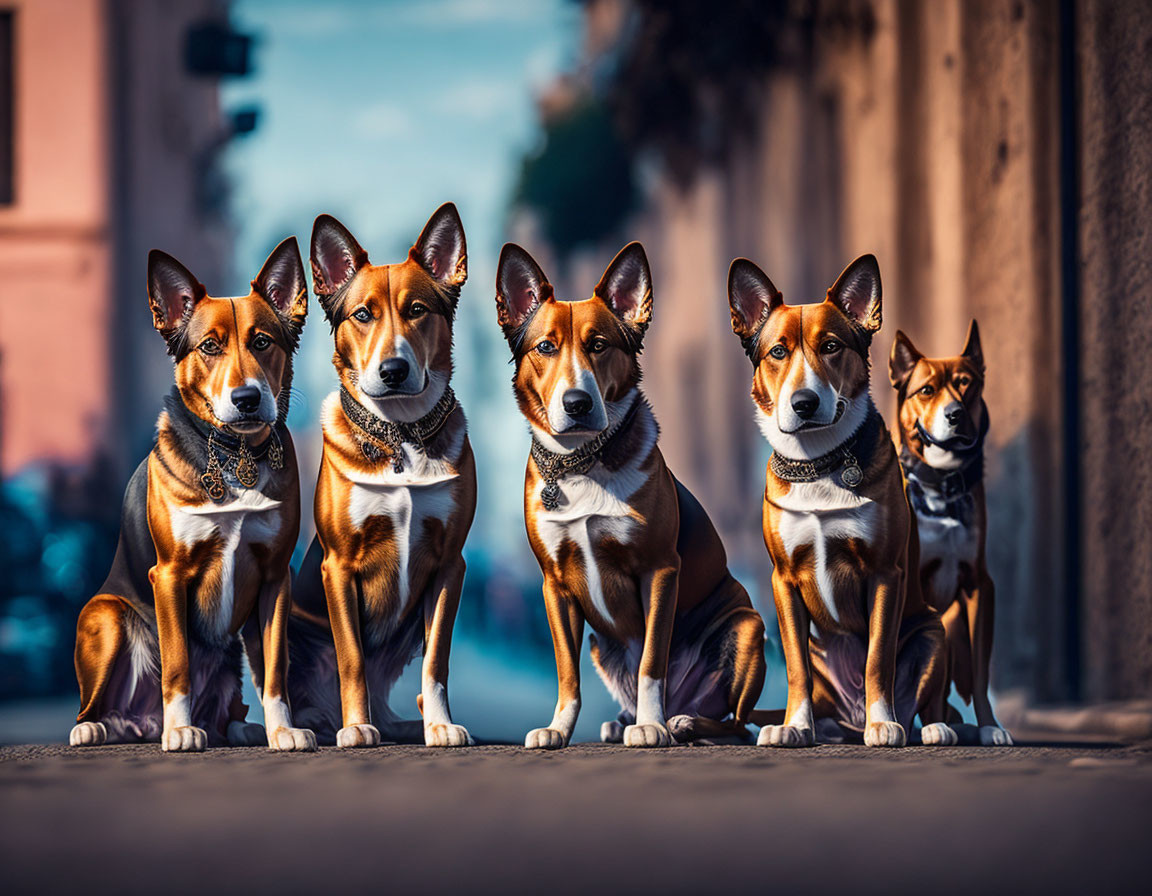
x=592 y=818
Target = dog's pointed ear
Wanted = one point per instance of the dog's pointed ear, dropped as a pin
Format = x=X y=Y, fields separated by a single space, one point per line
x=752 y=297
x=902 y=360
x=282 y=283
x=627 y=287
x=336 y=256
x=521 y=288
x=172 y=293
x=972 y=350
x=857 y=293
x=441 y=249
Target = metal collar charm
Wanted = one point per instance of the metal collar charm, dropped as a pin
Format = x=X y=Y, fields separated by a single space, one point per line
x=850 y=457
x=241 y=460
x=553 y=467
x=386 y=438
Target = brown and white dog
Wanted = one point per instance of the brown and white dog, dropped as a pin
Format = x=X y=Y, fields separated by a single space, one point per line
x=942 y=422
x=396 y=493
x=621 y=543
x=862 y=648
x=208 y=526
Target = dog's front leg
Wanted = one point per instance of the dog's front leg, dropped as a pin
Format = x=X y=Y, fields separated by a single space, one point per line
x=566 y=622
x=658 y=591
x=171 y=597
x=344 y=615
x=799 y=728
x=439 y=618
x=885 y=606
x=275 y=601
x=980 y=604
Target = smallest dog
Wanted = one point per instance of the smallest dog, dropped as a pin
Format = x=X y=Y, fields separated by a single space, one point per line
x=942 y=423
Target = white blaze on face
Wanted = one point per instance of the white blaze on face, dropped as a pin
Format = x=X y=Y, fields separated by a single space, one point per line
x=226 y=411
x=558 y=418
x=941 y=431
x=786 y=417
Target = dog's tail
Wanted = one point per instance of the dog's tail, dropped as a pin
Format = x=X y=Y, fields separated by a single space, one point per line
x=762 y=717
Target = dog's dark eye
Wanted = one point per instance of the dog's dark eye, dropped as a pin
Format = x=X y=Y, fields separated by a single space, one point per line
x=417 y=310
x=778 y=352
x=927 y=389
x=597 y=345
x=362 y=314
x=546 y=347
x=261 y=342
x=962 y=382
x=210 y=347
x=830 y=347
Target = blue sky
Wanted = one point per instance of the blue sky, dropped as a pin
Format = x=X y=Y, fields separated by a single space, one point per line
x=377 y=113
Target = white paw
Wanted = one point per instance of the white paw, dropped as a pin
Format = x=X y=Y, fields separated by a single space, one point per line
x=545 y=739
x=292 y=740
x=990 y=736
x=185 y=739
x=786 y=736
x=358 y=736
x=884 y=734
x=447 y=736
x=938 y=734
x=612 y=733
x=647 y=736
x=246 y=734
x=88 y=734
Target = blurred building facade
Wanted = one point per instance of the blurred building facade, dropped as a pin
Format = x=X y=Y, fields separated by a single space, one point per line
x=994 y=155
x=110 y=131
x=111 y=149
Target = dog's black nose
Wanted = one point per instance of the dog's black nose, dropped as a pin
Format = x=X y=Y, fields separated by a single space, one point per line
x=246 y=399
x=804 y=403
x=577 y=402
x=393 y=372
x=954 y=413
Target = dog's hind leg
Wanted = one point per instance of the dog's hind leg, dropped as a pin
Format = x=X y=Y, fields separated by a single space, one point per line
x=106 y=672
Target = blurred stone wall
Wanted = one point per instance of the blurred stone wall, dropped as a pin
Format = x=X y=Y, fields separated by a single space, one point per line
x=1115 y=284
x=930 y=133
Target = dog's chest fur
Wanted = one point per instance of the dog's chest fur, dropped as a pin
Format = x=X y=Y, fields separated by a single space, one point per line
x=946 y=544
x=424 y=490
x=249 y=518
x=595 y=508
x=821 y=515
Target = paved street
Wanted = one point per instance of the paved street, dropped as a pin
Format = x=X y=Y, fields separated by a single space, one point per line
x=588 y=819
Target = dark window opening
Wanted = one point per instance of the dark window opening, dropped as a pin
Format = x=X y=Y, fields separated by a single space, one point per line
x=7 y=100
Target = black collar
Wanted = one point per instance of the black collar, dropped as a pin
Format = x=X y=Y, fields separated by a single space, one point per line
x=385 y=437
x=554 y=467
x=851 y=457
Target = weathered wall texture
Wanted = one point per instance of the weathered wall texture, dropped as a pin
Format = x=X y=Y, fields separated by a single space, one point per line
x=929 y=134
x=1115 y=264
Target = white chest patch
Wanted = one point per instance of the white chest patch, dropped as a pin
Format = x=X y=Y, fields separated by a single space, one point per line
x=423 y=491
x=815 y=513
x=952 y=543
x=595 y=507
x=250 y=518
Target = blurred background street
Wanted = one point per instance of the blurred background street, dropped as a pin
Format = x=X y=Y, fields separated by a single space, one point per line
x=994 y=154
